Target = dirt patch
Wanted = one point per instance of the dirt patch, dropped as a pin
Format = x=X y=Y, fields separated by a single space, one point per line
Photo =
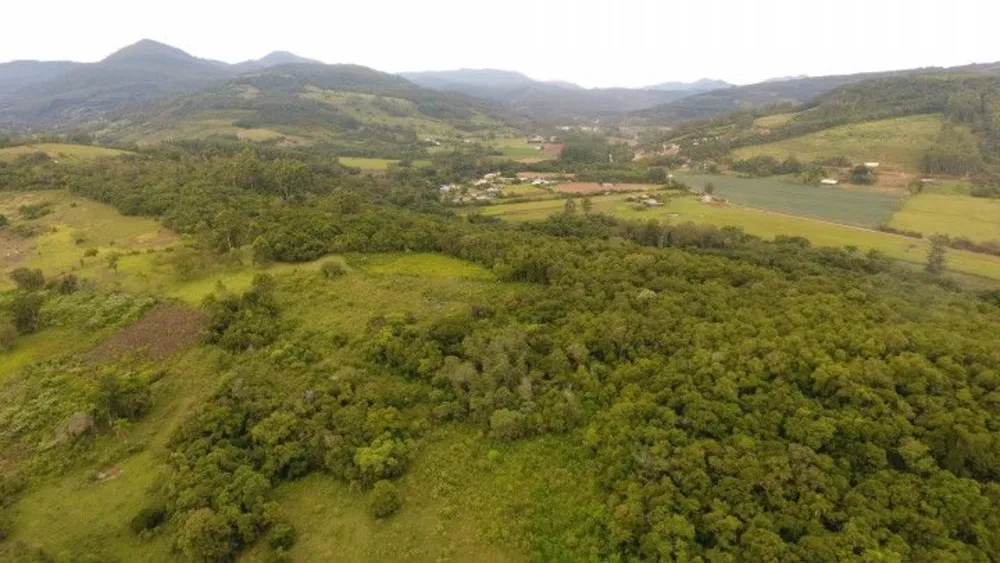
x=595 y=188
x=14 y=249
x=157 y=335
x=108 y=473
x=552 y=150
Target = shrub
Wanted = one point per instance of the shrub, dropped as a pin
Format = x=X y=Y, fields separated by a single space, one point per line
x=333 y=269
x=385 y=499
x=282 y=536
x=507 y=424
x=90 y=253
x=28 y=280
x=3 y=220
x=26 y=309
x=148 y=519
x=35 y=210
x=8 y=335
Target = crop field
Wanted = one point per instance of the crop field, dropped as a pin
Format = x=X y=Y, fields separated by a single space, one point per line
x=977 y=219
x=851 y=206
x=897 y=144
x=763 y=224
x=595 y=187
x=525 y=190
x=61 y=152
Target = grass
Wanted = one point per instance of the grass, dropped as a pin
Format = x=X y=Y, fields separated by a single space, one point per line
x=525 y=190
x=423 y=265
x=458 y=500
x=897 y=144
x=775 y=120
x=65 y=153
x=852 y=206
x=376 y=163
x=765 y=225
x=975 y=218
x=74 y=226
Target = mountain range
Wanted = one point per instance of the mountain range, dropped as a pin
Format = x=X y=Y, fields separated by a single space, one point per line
x=152 y=87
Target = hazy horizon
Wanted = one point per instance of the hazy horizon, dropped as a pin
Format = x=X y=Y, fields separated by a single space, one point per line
x=633 y=43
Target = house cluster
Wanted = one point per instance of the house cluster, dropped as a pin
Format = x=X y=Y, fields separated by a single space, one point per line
x=540 y=140
x=483 y=190
x=643 y=201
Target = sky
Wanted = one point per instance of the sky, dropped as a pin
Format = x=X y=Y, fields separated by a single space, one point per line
x=595 y=43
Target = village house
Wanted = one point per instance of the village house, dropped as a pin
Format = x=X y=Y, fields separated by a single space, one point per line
x=829 y=182
x=707 y=198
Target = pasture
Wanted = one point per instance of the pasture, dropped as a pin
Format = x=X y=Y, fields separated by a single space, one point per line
x=596 y=187
x=66 y=153
x=955 y=215
x=897 y=144
x=375 y=164
x=863 y=207
x=762 y=224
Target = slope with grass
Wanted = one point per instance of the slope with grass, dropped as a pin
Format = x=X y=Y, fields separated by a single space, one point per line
x=897 y=144
x=955 y=215
x=65 y=153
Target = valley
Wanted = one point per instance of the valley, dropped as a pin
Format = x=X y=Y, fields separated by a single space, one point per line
x=283 y=310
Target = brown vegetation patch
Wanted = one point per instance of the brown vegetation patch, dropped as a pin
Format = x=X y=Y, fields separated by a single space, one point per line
x=157 y=335
x=13 y=249
x=595 y=187
x=552 y=150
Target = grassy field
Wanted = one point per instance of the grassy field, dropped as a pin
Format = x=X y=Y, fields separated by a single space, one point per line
x=775 y=120
x=61 y=152
x=376 y=163
x=766 y=225
x=74 y=226
x=897 y=144
x=851 y=206
x=975 y=218
x=517 y=149
x=463 y=515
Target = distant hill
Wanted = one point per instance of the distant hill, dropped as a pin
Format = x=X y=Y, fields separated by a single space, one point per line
x=776 y=91
x=362 y=111
x=38 y=95
x=540 y=101
x=21 y=74
x=703 y=85
x=275 y=58
x=787 y=78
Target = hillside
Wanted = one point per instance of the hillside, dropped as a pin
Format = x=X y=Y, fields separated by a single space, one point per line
x=267 y=358
x=545 y=102
x=366 y=112
x=793 y=91
x=37 y=95
x=703 y=85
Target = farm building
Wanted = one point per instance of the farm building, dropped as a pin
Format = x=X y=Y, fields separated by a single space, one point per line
x=707 y=199
x=653 y=202
x=607 y=185
x=829 y=182
x=871 y=165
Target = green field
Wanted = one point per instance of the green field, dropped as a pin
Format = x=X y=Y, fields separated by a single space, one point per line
x=851 y=206
x=775 y=120
x=376 y=163
x=763 y=224
x=897 y=144
x=975 y=218
x=61 y=152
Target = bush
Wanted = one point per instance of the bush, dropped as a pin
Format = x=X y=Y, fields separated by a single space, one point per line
x=333 y=269
x=385 y=499
x=148 y=519
x=28 y=280
x=26 y=309
x=507 y=424
x=90 y=253
x=8 y=335
x=282 y=536
x=35 y=210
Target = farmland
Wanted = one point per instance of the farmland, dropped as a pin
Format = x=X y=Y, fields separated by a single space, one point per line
x=60 y=151
x=898 y=144
x=851 y=206
x=375 y=163
x=955 y=215
x=763 y=224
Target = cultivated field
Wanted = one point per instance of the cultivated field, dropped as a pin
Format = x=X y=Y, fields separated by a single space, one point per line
x=763 y=224
x=897 y=144
x=974 y=218
x=59 y=151
x=596 y=188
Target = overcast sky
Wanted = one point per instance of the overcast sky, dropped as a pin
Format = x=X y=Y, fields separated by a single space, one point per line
x=592 y=42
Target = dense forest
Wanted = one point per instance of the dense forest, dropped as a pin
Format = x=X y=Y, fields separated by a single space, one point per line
x=740 y=400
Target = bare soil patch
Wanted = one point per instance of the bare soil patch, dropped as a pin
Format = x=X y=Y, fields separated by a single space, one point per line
x=157 y=335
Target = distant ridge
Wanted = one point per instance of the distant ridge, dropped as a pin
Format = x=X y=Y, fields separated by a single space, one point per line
x=703 y=85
